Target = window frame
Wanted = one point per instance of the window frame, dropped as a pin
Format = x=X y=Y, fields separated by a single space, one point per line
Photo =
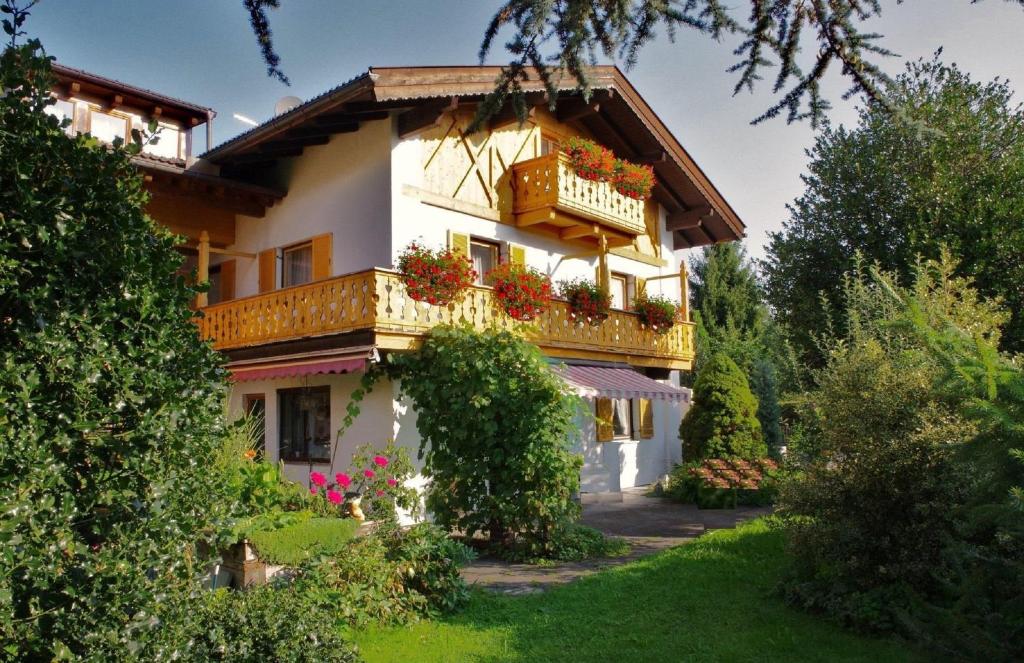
x=93 y=108
x=285 y=250
x=247 y=403
x=493 y=246
x=614 y=277
x=304 y=457
x=631 y=433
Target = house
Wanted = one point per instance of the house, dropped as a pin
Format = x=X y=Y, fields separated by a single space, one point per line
x=297 y=222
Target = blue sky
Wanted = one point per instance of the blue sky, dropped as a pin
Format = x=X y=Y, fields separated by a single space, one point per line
x=203 y=51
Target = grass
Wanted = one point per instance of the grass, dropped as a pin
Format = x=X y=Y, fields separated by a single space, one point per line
x=710 y=600
x=292 y=544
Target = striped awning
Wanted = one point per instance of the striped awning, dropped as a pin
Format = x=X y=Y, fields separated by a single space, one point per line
x=610 y=382
x=348 y=360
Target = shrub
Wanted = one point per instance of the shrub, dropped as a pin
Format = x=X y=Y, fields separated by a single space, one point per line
x=430 y=561
x=434 y=276
x=657 y=313
x=112 y=406
x=522 y=292
x=275 y=622
x=633 y=180
x=387 y=488
x=868 y=516
x=568 y=542
x=722 y=422
x=590 y=160
x=504 y=465
x=293 y=544
x=588 y=302
x=724 y=483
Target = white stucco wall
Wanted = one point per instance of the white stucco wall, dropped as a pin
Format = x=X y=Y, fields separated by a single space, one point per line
x=343 y=188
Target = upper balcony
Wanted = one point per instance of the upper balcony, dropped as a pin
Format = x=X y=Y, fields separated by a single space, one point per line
x=375 y=301
x=547 y=190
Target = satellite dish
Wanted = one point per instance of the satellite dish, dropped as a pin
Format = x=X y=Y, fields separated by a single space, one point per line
x=285 y=104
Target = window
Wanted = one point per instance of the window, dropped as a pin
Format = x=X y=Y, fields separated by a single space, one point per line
x=256 y=409
x=485 y=257
x=619 y=291
x=298 y=265
x=64 y=109
x=167 y=144
x=548 y=145
x=107 y=126
x=622 y=417
x=305 y=416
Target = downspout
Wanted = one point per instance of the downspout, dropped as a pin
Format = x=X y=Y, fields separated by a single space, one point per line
x=209 y=130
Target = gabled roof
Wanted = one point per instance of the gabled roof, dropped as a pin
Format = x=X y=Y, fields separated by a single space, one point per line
x=616 y=115
x=133 y=96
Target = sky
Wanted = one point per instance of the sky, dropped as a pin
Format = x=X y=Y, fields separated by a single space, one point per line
x=203 y=51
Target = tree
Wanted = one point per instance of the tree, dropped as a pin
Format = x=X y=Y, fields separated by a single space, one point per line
x=945 y=172
x=581 y=29
x=727 y=303
x=722 y=422
x=764 y=384
x=110 y=405
x=497 y=427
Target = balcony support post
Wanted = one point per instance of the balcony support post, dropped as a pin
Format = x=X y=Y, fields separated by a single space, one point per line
x=203 y=267
x=684 y=291
x=602 y=265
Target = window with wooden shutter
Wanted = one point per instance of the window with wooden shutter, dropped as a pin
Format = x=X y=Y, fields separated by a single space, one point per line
x=603 y=412
x=322 y=246
x=268 y=270
x=227 y=280
x=458 y=243
x=640 y=286
x=646 y=408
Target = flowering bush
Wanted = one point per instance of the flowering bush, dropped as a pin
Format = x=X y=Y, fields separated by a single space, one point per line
x=633 y=180
x=587 y=301
x=375 y=478
x=434 y=276
x=523 y=292
x=656 y=312
x=590 y=160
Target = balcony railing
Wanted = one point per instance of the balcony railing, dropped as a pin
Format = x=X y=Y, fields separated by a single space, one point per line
x=376 y=300
x=548 y=187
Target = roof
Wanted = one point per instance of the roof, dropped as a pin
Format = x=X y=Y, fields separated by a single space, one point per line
x=699 y=214
x=134 y=96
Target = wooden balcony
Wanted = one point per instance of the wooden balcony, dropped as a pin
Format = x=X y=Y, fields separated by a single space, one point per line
x=547 y=193
x=375 y=301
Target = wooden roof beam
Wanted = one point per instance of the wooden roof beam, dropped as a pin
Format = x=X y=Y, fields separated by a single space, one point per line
x=287 y=145
x=337 y=123
x=575 y=108
x=690 y=218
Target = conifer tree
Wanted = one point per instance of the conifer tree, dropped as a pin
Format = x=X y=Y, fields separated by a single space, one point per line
x=722 y=422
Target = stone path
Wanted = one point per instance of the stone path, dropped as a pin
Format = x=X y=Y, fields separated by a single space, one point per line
x=650 y=525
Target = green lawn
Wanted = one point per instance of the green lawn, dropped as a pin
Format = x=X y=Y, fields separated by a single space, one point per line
x=707 y=601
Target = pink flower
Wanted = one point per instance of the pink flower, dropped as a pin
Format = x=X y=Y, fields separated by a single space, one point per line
x=343 y=479
x=312 y=490
x=380 y=461
x=318 y=479
x=380 y=493
x=369 y=474
x=392 y=482
x=334 y=497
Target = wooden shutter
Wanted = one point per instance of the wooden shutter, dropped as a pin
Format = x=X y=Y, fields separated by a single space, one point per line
x=517 y=254
x=268 y=270
x=640 y=287
x=646 y=418
x=603 y=410
x=322 y=256
x=227 y=280
x=458 y=243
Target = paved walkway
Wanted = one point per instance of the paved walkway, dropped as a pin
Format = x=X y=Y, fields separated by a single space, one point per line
x=650 y=525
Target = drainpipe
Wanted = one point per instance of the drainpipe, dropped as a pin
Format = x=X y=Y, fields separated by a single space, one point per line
x=209 y=130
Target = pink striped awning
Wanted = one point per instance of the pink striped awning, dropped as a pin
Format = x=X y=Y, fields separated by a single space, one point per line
x=608 y=382
x=349 y=360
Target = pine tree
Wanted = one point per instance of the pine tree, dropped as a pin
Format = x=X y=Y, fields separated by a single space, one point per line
x=765 y=386
x=722 y=421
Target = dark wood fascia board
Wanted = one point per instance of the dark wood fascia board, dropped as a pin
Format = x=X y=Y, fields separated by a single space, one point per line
x=332 y=342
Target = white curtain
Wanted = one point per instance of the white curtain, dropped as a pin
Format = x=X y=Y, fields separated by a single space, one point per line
x=621 y=407
x=298 y=266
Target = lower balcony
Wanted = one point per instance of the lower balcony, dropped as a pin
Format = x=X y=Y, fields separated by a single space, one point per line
x=375 y=301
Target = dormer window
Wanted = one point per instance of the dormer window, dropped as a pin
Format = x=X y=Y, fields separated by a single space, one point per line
x=108 y=126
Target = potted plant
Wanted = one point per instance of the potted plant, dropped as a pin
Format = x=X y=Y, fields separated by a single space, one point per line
x=633 y=180
x=590 y=160
x=436 y=277
x=656 y=313
x=587 y=301
x=523 y=292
